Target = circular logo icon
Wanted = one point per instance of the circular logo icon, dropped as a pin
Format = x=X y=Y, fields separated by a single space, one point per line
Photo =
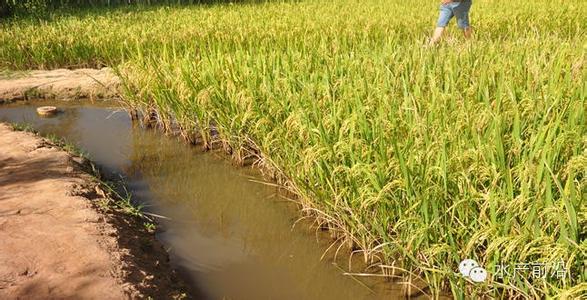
x=478 y=274
x=466 y=266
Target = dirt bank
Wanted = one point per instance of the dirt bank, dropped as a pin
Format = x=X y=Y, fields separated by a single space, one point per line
x=57 y=241
x=58 y=84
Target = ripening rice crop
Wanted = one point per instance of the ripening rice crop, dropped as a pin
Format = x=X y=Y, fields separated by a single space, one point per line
x=420 y=157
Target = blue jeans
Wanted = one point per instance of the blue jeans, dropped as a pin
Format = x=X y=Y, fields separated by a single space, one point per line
x=460 y=10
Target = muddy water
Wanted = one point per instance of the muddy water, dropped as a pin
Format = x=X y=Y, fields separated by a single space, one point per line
x=230 y=235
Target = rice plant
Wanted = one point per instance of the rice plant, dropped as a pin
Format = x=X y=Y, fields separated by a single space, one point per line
x=417 y=157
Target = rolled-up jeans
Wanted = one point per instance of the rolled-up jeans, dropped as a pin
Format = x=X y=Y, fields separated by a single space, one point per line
x=458 y=9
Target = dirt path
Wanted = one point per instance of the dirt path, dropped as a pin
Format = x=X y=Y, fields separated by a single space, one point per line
x=57 y=243
x=58 y=84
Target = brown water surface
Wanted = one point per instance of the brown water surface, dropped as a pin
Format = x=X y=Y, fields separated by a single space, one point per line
x=230 y=235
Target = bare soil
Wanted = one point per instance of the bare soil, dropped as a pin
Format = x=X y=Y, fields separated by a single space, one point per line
x=60 y=84
x=57 y=242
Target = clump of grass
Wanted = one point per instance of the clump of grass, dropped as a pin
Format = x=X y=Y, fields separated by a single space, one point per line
x=115 y=195
x=418 y=157
x=67 y=146
x=23 y=127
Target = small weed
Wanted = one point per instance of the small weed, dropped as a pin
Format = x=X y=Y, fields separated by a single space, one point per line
x=150 y=227
x=67 y=146
x=23 y=127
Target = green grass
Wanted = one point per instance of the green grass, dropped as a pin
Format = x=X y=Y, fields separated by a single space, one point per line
x=419 y=157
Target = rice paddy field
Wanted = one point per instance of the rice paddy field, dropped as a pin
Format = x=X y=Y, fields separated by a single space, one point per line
x=415 y=157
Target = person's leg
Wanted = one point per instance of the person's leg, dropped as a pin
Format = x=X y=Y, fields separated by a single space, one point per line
x=444 y=17
x=461 y=12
